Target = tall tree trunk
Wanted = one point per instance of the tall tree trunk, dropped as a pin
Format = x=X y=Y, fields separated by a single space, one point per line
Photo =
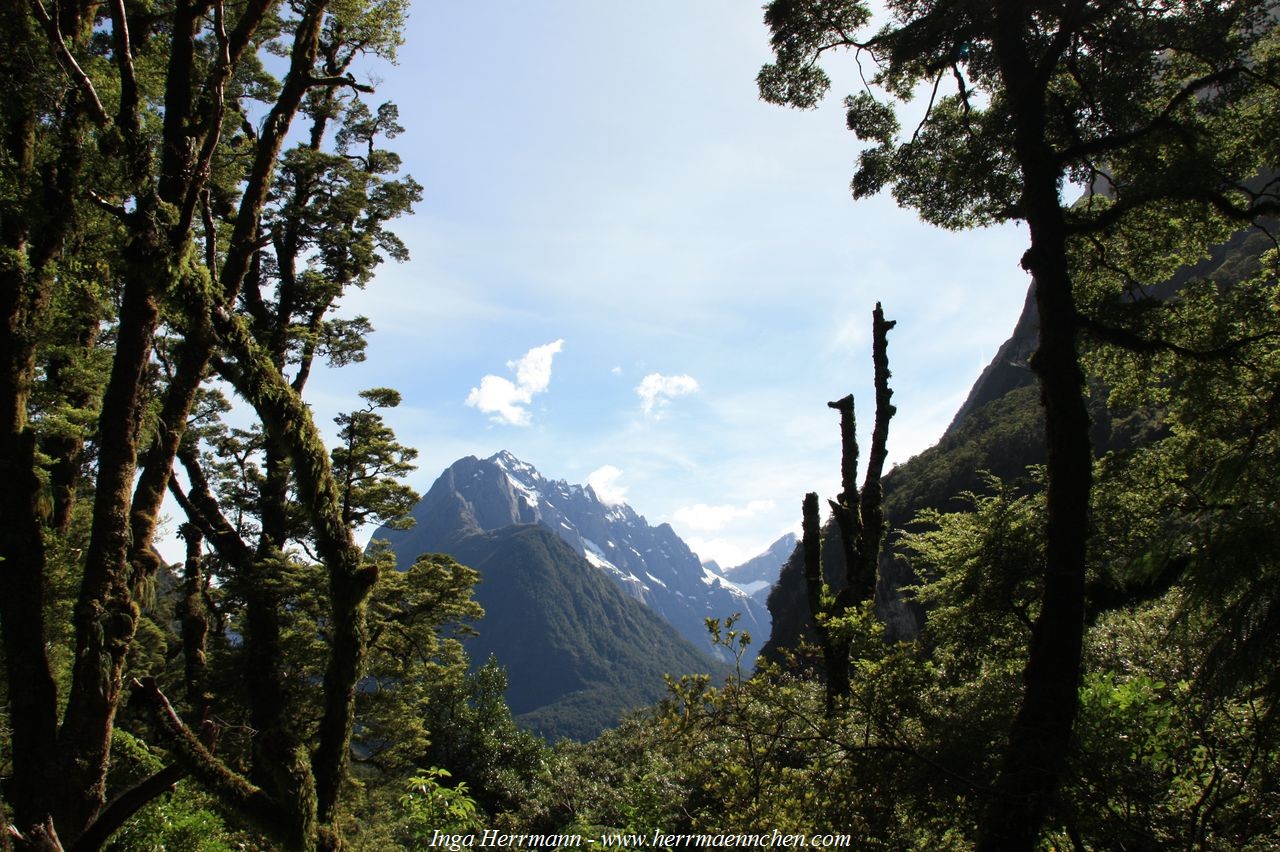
x=1040 y=735
x=811 y=547
x=262 y=588
x=279 y=796
x=859 y=517
x=105 y=613
x=33 y=699
x=195 y=622
x=34 y=222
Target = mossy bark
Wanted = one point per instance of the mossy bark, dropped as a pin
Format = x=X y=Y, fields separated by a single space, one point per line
x=288 y=424
x=34 y=221
x=811 y=546
x=194 y=617
x=105 y=614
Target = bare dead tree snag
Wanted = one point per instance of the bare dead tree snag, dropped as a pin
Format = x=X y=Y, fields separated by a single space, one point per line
x=859 y=517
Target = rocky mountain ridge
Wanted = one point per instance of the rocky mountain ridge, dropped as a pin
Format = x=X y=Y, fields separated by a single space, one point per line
x=758 y=575
x=651 y=564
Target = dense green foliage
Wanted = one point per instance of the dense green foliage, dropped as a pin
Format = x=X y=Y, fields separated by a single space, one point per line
x=186 y=818
x=1169 y=752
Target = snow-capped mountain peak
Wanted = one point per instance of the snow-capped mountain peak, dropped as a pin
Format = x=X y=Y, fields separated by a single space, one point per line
x=650 y=563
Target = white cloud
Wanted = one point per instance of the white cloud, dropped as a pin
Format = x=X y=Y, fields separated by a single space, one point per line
x=533 y=371
x=501 y=399
x=727 y=553
x=604 y=481
x=617 y=371
x=709 y=518
x=504 y=400
x=656 y=391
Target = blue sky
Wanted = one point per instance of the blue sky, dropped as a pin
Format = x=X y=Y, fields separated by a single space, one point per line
x=626 y=269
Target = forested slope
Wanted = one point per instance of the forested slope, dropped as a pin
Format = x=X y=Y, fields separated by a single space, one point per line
x=579 y=654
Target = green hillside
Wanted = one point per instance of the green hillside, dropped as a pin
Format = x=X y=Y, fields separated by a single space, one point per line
x=578 y=652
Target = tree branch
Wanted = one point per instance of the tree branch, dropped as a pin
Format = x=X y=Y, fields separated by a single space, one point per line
x=1261 y=204
x=116 y=210
x=348 y=80
x=128 y=114
x=210 y=236
x=69 y=64
x=1127 y=339
x=233 y=789
x=872 y=508
x=122 y=807
x=288 y=422
x=1106 y=144
x=202 y=509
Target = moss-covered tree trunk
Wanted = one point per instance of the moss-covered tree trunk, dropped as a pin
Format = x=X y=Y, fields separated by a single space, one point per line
x=60 y=770
x=105 y=613
x=42 y=160
x=154 y=264
x=194 y=617
x=835 y=657
x=32 y=693
x=288 y=424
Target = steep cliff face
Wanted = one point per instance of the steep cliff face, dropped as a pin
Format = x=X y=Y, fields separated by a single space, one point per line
x=1009 y=370
x=470 y=496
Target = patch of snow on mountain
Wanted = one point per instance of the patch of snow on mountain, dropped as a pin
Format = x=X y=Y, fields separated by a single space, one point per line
x=530 y=496
x=597 y=558
x=711 y=578
x=521 y=487
x=600 y=562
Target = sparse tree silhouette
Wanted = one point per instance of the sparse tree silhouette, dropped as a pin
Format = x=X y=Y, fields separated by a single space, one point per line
x=859 y=517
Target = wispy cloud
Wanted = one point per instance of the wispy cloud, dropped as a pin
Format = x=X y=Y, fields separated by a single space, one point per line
x=604 y=481
x=505 y=400
x=710 y=518
x=656 y=391
x=729 y=552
